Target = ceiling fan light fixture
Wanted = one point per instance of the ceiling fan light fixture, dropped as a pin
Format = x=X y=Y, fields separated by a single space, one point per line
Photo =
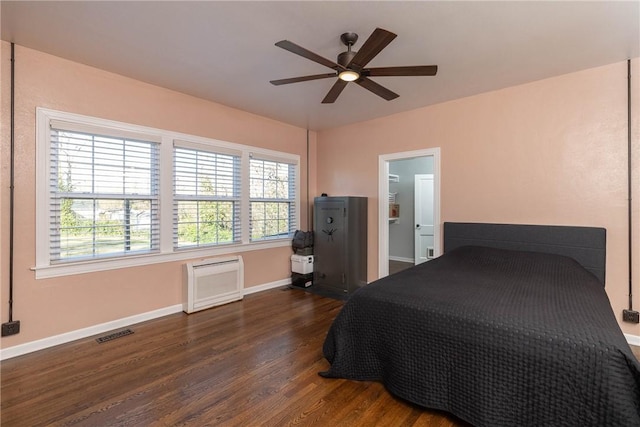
x=350 y=66
x=348 y=75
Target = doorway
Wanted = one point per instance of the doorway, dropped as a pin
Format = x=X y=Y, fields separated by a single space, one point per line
x=397 y=234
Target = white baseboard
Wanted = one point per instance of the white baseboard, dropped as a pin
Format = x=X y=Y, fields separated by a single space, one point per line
x=19 y=350
x=41 y=344
x=266 y=286
x=32 y=346
x=632 y=339
x=401 y=259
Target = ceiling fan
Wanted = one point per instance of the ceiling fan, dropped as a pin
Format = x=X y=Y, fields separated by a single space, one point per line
x=350 y=66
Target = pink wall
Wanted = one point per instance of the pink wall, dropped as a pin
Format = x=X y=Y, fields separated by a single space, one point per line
x=549 y=152
x=50 y=307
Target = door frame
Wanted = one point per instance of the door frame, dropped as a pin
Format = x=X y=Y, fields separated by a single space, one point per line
x=383 y=202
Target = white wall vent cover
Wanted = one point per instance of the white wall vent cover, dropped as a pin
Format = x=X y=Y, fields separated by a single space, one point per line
x=211 y=282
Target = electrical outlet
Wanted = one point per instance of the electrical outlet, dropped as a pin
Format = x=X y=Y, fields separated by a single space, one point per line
x=11 y=328
x=631 y=316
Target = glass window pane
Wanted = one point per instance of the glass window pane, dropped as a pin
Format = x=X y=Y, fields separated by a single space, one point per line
x=211 y=181
x=85 y=223
x=271 y=180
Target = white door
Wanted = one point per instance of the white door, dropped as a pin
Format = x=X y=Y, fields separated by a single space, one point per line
x=424 y=229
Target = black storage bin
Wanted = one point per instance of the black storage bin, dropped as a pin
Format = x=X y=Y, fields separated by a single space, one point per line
x=302 y=280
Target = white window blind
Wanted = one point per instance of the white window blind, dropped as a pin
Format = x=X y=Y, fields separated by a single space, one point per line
x=103 y=194
x=207 y=197
x=272 y=199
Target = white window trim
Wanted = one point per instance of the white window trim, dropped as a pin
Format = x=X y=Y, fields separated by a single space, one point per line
x=44 y=268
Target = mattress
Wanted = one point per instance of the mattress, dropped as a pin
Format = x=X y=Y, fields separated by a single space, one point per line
x=496 y=337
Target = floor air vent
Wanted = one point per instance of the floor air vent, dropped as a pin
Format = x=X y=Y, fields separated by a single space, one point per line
x=114 y=335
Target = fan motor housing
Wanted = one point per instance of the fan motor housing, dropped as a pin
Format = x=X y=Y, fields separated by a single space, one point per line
x=345 y=57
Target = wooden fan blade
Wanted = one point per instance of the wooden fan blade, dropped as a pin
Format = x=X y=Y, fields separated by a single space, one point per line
x=301 y=79
x=335 y=90
x=377 y=41
x=417 y=70
x=299 y=50
x=377 y=89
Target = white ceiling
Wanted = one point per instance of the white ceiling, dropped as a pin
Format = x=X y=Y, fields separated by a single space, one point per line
x=224 y=51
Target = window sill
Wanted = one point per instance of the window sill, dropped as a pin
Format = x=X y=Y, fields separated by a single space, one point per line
x=68 y=269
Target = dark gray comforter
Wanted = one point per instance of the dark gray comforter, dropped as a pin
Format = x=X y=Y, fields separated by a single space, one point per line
x=496 y=337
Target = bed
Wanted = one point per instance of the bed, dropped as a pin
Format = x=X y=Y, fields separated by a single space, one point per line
x=510 y=327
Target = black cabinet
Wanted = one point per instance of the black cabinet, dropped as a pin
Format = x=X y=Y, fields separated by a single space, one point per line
x=340 y=244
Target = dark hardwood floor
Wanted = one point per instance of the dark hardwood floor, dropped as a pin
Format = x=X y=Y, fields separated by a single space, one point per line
x=247 y=363
x=396 y=266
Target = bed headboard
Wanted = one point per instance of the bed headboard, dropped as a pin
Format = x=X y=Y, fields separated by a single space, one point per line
x=587 y=245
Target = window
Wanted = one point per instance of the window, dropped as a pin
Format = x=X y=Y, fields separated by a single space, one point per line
x=206 y=200
x=103 y=195
x=272 y=199
x=112 y=195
